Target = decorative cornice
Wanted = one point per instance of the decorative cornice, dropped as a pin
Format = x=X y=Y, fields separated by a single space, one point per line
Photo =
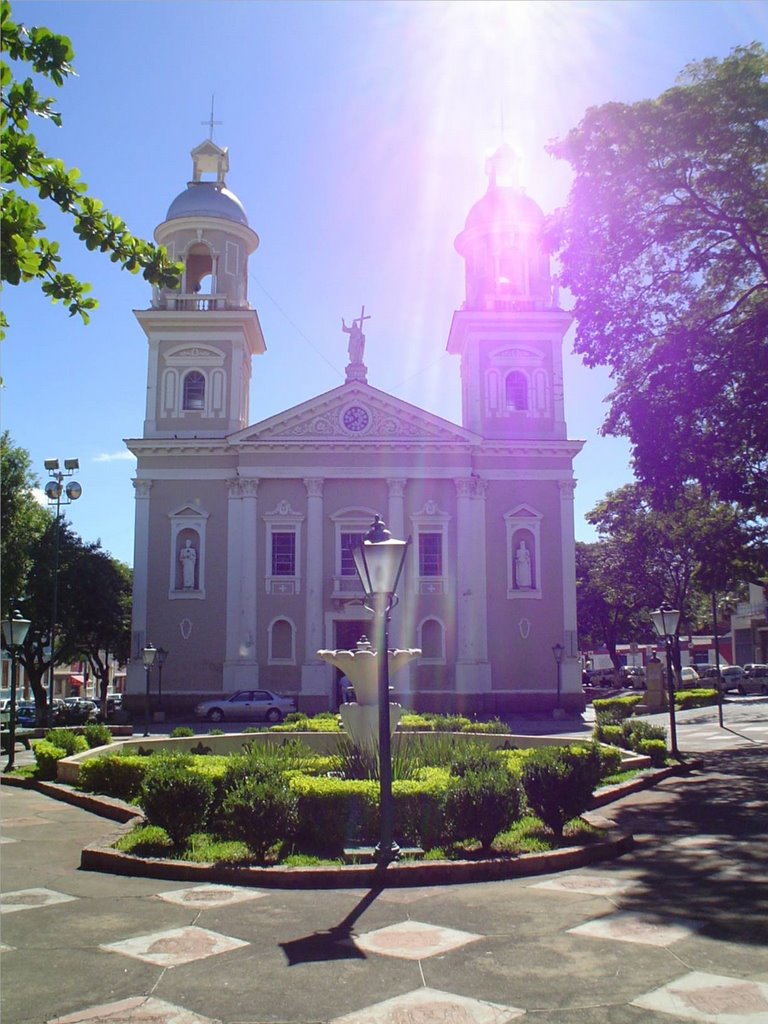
x=314 y=486
x=243 y=487
x=142 y=488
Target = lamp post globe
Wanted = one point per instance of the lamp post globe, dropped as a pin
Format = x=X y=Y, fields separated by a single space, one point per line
x=15 y=629
x=665 y=621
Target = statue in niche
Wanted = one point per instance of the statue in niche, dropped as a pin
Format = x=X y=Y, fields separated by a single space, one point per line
x=356 y=347
x=523 y=574
x=188 y=559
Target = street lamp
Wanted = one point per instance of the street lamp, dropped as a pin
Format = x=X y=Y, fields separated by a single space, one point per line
x=162 y=654
x=379 y=560
x=665 y=622
x=148 y=654
x=15 y=629
x=557 y=651
x=58 y=495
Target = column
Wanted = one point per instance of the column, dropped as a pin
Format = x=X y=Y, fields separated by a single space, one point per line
x=315 y=676
x=473 y=670
x=241 y=665
x=134 y=682
x=571 y=667
x=402 y=680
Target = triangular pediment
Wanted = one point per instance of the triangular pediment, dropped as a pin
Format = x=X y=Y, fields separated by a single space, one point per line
x=358 y=414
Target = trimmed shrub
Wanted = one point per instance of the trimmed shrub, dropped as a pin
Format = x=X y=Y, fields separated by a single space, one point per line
x=608 y=734
x=47 y=755
x=335 y=812
x=655 y=749
x=494 y=727
x=634 y=732
x=68 y=740
x=117 y=775
x=559 y=783
x=174 y=797
x=613 y=710
x=180 y=731
x=698 y=698
x=261 y=811
x=420 y=807
x=610 y=761
x=481 y=802
x=97 y=735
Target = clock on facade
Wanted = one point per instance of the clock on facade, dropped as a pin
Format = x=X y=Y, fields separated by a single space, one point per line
x=355 y=418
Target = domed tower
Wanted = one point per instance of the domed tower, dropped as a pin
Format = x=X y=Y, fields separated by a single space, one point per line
x=509 y=331
x=202 y=337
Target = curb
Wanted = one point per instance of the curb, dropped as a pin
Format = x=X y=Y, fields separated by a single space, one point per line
x=103 y=857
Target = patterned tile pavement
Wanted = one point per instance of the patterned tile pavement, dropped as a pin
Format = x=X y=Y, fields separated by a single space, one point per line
x=675 y=930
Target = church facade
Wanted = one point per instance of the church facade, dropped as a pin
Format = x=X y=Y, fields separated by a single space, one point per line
x=243 y=565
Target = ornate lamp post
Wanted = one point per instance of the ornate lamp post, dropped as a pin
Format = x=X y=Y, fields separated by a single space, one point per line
x=665 y=622
x=379 y=561
x=58 y=495
x=148 y=655
x=15 y=629
x=557 y=652
x=160 y=657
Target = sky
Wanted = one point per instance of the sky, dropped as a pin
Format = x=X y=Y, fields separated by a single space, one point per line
x=357 y=134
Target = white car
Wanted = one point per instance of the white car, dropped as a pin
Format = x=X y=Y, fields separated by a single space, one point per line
x=247 y=706
x=689 y=675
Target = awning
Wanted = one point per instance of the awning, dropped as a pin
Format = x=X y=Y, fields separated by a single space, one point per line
x=76 y=679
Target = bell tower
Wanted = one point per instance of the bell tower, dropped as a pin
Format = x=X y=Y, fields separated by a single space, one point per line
x=509 y=330
x=202 y=337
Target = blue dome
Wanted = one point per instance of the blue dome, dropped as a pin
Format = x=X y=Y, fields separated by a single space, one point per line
x=207 y=199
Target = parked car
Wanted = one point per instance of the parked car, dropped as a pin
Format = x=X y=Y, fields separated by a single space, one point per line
x=755 y=679
x=79 y=710
x=689 y=675
x=26 y=714
x=247 y=706
x=5 y=710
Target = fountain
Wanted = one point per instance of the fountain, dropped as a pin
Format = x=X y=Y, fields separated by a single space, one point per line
x=361 y=667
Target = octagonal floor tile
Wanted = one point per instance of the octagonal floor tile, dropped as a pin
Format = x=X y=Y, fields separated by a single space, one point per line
x=710 y=997
x=203 y=896
x=430 y=1006
x=140 y=1010
x=593 y=885
x=30 y=899
x=175 y=946
x=413 y=940
x=630 y=927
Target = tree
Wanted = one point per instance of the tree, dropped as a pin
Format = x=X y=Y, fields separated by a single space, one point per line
x=609 y=610
x=26 y=254
x=664 y=244
x=21 y=520
x=678 y=554
x=97 y=619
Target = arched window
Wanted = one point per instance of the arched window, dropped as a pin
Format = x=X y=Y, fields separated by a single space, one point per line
x=199 y=270
x=432 y=640
x=281 y=641
x=516 y=390
x=194 y=390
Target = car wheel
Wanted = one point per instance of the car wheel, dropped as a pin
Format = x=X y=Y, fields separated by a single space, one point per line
x=215 y=715
x=274 y=715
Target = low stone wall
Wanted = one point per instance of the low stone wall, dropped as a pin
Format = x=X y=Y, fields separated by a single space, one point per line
x=68 y=769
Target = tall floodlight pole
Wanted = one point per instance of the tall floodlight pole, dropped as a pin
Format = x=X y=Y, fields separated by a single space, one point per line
x=58 y=495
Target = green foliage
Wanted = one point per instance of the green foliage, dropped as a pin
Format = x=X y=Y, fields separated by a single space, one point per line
x=216 y=732
x=610 y=760
x=261 y=810
x=117 y=775
x=335 y=812
x=608 y=734
x=47 y=755
x=181 y=731
x=21 y=519
x=526 y=835
x=663 y=244
x=145 y=841
x=482 y=801
x=613 y=710
x=637 y=730
x=559 y=783
x=26 y=254
x=174 y=797
x=296 y=722
x=656 y=749
x=204 y=848
x=68 y=740
x=420 y=807
x=97 y=735
x=698 y=698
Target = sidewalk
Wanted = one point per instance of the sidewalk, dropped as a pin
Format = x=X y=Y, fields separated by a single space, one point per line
x=675 y=930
